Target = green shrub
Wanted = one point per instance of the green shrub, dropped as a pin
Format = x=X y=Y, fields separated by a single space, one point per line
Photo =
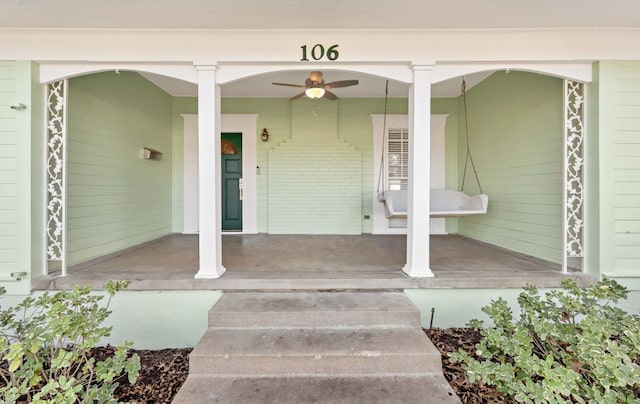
x=571 y=346
x=45 y=347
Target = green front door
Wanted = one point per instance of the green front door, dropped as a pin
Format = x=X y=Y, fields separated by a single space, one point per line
x=231 y=145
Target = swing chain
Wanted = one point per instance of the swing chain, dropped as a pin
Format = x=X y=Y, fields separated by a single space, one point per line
x=468 y=156
x=380 y=188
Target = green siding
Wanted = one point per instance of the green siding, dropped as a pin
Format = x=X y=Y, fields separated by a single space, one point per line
x=515 y=131
x=21 y=187
x=618 y=127
x=37 y=173
x=12 y=129
x=115 y=198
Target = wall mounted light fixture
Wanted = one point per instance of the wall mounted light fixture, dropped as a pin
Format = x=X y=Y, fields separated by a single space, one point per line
x=151 y=154
x=265 y=135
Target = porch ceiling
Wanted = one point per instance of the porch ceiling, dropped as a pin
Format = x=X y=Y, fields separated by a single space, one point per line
x=261 y=87
x=327 y=14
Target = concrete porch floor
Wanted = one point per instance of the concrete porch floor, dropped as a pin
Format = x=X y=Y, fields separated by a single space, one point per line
x=312 y=262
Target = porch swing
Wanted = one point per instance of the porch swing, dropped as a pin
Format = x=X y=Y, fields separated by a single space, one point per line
x=443 y=202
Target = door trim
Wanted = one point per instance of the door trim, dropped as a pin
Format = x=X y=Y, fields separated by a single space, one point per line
x=246 y=124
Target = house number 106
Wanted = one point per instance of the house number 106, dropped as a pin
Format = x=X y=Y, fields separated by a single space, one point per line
x=318 y=52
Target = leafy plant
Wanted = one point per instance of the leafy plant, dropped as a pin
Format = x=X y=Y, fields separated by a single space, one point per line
x=573 y=345
x=45 y=346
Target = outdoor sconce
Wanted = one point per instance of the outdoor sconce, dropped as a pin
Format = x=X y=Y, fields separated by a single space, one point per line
x=265 y=135
x=151 y=154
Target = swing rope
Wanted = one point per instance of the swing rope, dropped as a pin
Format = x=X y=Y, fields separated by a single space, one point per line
x=468 y=157
x=384 y=132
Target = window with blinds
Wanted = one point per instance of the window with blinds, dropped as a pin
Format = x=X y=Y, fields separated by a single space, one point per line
x=397 y=158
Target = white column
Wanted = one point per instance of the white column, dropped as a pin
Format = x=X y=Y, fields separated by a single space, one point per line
x=419 y=173
x=210 y=227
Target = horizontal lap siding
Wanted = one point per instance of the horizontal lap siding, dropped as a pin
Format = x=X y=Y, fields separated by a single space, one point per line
x=115 y=198
x=9 y=129
x=620 y=156
x=515 y=134
x=21 y=233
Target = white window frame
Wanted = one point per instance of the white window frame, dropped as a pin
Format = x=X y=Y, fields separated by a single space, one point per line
x=382 y=225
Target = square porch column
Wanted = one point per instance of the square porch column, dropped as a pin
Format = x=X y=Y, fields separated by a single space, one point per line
x=209 y=190
x=419 y=173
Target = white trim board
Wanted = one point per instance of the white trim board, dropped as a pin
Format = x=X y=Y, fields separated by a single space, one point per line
x=241 y=123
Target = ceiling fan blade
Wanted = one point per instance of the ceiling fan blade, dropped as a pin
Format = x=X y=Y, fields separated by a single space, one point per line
x=297 y=96
x=288 y=85
x=330 y=96
x=341 y=83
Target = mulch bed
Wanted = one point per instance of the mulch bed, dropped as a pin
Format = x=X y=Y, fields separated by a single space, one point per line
x=163 y=372
x=450 y=340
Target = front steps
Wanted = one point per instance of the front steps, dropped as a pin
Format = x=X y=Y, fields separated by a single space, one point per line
x=315 y=347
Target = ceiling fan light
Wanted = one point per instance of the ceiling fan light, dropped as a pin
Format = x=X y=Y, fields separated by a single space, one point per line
x=314 y=92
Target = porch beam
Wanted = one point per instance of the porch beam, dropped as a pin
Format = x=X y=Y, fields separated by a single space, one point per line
x=419 y=180
x=210 y=228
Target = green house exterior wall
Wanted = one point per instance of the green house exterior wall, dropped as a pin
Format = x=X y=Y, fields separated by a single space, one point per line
x=592 y=176
x=354 y=128
x=116 y=198
x=315 y=177
x=179 y=105
x=275 y=115
x=515 y=134
x=21 y=175
x=515 y=123
x=617 y=97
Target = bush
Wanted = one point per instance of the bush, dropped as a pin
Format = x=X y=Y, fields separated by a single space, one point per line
x=571 y=346
x=45 y=346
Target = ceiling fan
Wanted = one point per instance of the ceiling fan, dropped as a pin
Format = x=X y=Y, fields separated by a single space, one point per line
x=316 y=87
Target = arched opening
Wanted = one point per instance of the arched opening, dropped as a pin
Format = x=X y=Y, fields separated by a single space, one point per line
x=114 y=195
x=333 y=141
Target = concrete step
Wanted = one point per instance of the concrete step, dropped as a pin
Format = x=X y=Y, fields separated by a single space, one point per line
x=339 y=351
x=313 y=309
x=266 y=390
x=315 y=347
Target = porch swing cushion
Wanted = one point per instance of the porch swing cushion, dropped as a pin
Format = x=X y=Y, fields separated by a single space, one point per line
x=444 y=203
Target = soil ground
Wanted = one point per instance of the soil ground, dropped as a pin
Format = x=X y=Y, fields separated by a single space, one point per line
x=163 y=372
x=450 y=340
